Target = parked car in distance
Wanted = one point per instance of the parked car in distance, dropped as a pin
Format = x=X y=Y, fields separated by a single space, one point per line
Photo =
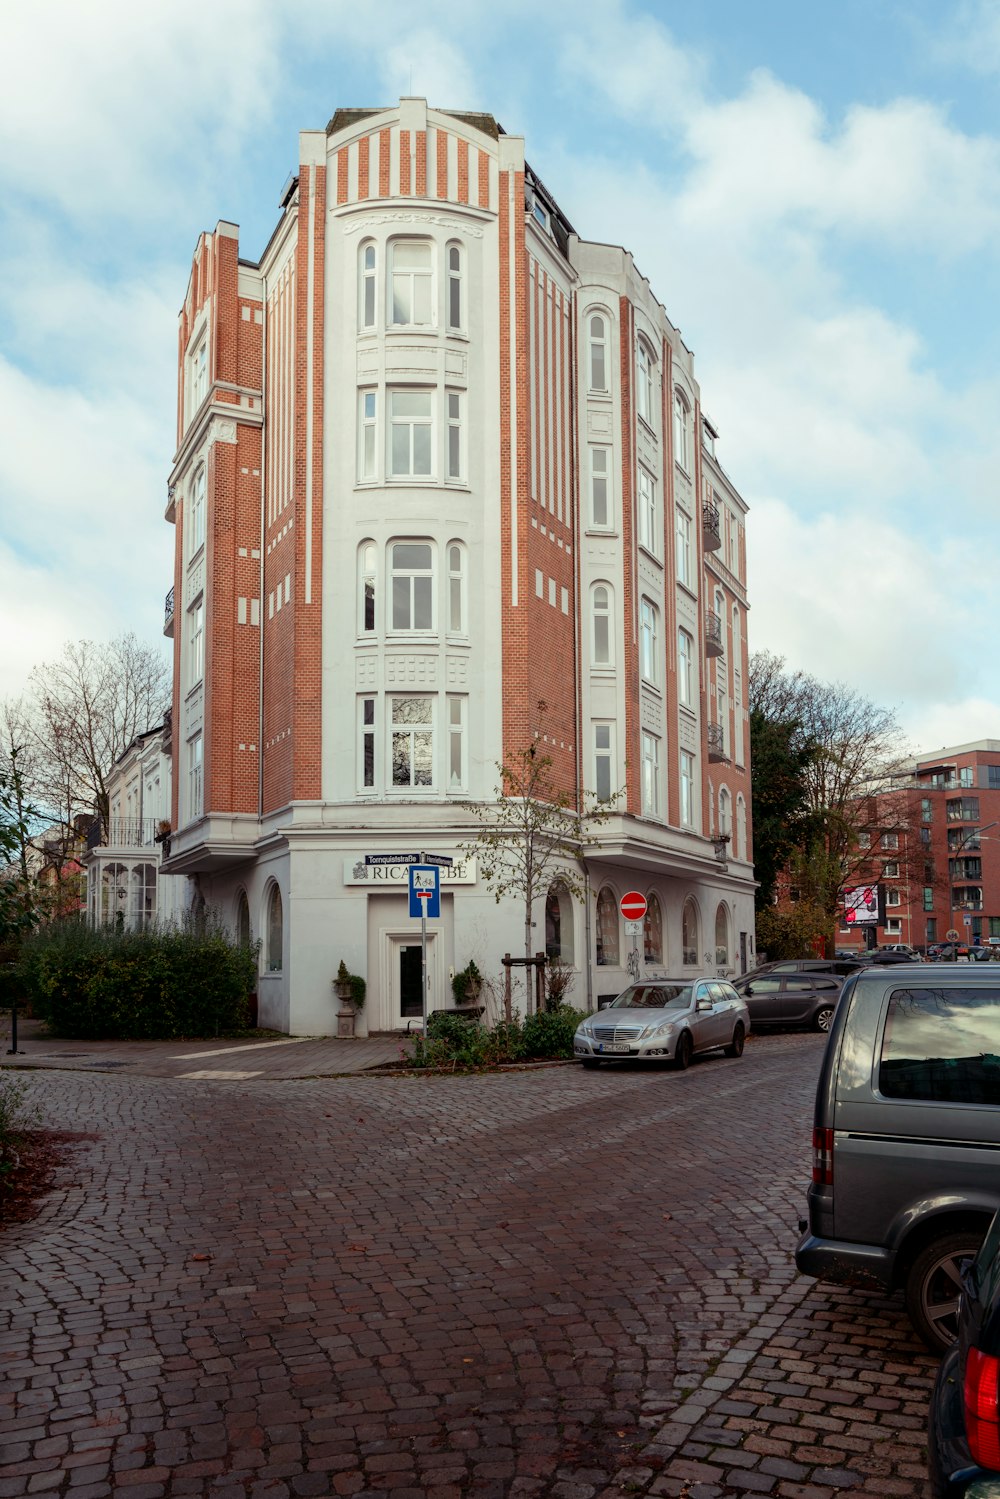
x=665 y=1020
x=775 y=999
x=963 y=1445
x=889 y=955
x=840 y=965
x=896 y=947
x=906 y=1137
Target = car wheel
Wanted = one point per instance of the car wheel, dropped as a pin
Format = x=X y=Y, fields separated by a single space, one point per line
x=823 y=1017
x=683 y=1052
x=933 y=1284
x=735 y=1047
x=591 y=1062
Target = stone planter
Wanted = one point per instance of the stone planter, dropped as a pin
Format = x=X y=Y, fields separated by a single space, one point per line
x=346 y=1013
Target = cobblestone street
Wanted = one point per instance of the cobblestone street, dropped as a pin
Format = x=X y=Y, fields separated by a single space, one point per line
x=539 y=1283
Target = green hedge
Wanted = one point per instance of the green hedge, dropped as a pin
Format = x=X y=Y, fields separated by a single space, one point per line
x=101 y=983
x=453 y=1041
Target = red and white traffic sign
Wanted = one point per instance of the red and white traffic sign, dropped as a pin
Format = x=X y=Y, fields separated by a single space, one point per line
x=632 y=905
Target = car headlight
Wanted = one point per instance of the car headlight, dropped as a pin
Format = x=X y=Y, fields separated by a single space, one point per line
x=666 y=1029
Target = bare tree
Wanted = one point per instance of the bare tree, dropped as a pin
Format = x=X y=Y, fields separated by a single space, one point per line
x=81 y=713
x=533 y=833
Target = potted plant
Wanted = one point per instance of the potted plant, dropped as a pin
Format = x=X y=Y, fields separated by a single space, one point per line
x=350 y=989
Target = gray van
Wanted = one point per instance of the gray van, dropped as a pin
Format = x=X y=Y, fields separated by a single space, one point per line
x=906 y=1138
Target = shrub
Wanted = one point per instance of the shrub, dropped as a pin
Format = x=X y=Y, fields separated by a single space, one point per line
x=104 y=983
x=467 y=984
x=453 y=1042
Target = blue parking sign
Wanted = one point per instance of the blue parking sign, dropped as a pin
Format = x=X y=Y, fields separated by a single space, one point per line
x=425 y=890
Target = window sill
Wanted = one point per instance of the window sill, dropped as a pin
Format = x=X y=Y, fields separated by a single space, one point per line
x=643 y=547
x=646 y=424
x=609 y=532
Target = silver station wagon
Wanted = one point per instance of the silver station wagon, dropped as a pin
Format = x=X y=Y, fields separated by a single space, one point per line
x=665 y=1020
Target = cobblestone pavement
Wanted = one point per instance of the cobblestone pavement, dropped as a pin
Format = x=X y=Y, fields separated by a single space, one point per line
x=549 y=1283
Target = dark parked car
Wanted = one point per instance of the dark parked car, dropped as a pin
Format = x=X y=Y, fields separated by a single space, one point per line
x=778 y=998
x=964 y=1425
x=841 y=966
x=906 y=1137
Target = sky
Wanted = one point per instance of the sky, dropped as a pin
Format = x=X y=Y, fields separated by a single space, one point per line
x=812 y=189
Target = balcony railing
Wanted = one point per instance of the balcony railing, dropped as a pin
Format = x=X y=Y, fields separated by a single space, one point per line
x=716 y=744
x=168 y=614
x=711 y=527
x=713 y=634
x=123 y=832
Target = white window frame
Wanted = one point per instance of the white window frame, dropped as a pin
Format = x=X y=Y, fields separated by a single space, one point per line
x=199 y=493
x=598 y=348
x=600 y=475
x=682 y=431
x=649 y=630
x=890 y=869
x=687 y=789
x=685 y=667
x=199 y=373
x=367 y=286
x=644 y=381
x=196 y=775
x=458 y=622
x=604 y=759
x=458 y=742
x=412 y=423
x=601 y=612
x=646 y=502
x=401 y=729
x=682 y=538
x=410 y=277
x=454 y=460
x=367 y=778
x=367 y=435
x=196 y=641
x=414 y=574
x=650 y=775
x=368 y=588
x=454 y=286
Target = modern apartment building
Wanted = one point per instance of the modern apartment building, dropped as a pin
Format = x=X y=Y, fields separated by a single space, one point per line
x=440 y=461
x=934 y=847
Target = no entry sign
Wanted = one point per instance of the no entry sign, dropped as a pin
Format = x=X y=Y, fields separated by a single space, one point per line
x=632 y=905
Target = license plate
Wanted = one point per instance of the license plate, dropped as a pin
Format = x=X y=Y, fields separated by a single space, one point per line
x=614 y=1046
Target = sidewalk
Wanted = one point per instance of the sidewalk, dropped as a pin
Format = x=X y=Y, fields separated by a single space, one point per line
x=282 y=1058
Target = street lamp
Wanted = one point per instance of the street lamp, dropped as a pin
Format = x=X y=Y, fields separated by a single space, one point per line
x=962 y=843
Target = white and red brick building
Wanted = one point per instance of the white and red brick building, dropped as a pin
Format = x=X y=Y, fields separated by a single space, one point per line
x=440 y=460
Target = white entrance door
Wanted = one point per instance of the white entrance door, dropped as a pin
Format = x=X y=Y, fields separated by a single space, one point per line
x=405 y=978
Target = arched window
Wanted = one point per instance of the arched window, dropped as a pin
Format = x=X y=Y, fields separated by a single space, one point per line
x=366 y=288
x=456 y=589
x=412 y=284
x=367 y=580
x=559 y=924
x=741 y=827
x=455 y=300
x=682 y=431
x=598 y=353
x=725 y=813
x=243 y=935
x=607 y=928
x=275 y=931
x=601 y=617
x=644 y=381
x=689 y=932
x=652 y=932
x=722 y=936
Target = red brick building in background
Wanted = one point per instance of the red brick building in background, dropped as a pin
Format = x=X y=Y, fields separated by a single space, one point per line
x=934 y=846
x=438 y=461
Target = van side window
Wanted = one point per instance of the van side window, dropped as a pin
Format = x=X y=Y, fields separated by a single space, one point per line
x=942 y=1045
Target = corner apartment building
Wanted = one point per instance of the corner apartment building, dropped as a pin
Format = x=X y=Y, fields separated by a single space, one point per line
x=935 y=848
x=439 y=461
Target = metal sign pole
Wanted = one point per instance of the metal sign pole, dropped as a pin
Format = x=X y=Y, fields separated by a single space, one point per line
x=423 y=953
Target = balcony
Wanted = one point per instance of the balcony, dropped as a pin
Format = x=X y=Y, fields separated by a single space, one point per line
x=122 y=832
x=713 y=634
x=717 y=745
x=168 y=615
x=711 y=528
